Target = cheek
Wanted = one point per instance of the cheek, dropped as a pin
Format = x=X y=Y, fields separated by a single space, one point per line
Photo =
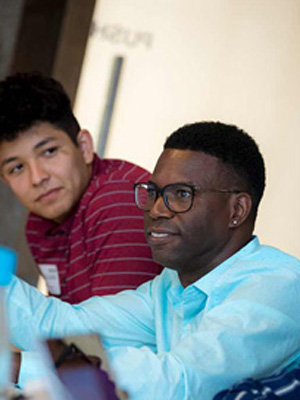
x=198 y=231
x=20 y=188
x=77 y=181
x=194 y=223
x=72 y=173
x=146 y=220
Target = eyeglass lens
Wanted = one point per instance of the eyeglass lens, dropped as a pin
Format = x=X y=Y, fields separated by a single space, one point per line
x=177 y=198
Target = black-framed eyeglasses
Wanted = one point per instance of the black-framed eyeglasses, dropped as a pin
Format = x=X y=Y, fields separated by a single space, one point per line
x=177 y=197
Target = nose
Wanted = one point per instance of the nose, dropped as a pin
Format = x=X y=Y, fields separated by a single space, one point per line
x=159 y=209
x=38 y=173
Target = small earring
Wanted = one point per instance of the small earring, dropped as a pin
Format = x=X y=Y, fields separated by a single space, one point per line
x=234 y=222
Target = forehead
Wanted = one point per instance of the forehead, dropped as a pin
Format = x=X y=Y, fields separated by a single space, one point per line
x=186 y=166
x=32 y=139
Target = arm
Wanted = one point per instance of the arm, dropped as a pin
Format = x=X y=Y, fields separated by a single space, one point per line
x=251 y=332
x=124 y=319
x=33 y=316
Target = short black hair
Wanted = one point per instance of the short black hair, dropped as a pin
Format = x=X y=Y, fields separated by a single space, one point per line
x=27 y=99
x=231 y=145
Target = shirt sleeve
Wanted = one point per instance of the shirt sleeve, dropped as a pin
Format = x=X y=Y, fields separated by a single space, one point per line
x=123 y=319
x=250 y=332
x=253 y=332
x=126 y=319
x=188 y=373
x=118 y=253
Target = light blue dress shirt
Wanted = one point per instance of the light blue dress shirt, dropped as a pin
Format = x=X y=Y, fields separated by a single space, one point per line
x=165 y=342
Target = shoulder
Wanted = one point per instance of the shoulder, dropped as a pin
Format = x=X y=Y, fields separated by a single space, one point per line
x=266 y=275
x=110 y=195
x=114 y=170
x=112 y=185
x=269 y=259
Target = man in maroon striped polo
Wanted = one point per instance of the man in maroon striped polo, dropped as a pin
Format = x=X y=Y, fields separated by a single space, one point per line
x=84 y=230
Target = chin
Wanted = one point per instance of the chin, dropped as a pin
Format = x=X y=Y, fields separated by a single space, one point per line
x=163 y=261
x=58 y=216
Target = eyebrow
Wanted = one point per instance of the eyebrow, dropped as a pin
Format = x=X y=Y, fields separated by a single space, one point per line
x=44 y=141
x=7 y=161
x=36 y=147
x=174 y=183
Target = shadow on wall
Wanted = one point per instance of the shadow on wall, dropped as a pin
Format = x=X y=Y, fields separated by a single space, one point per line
x=12 y=233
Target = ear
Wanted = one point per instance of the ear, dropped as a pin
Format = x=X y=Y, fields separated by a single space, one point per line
x=241 y=207
x=85 y=144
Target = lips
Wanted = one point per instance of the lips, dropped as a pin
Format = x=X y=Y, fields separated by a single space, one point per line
x=50 y=195
x=160 y=236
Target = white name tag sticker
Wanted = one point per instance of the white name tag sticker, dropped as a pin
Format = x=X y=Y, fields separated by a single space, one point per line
x=50 y=273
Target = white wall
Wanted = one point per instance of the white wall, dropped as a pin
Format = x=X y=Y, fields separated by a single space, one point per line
x=236 y=61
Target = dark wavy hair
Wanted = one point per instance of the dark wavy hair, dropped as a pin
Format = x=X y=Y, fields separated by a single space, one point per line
x=231 y=145
x=27 y=99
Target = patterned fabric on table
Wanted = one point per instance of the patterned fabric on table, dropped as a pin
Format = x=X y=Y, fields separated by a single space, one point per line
x=283 y=386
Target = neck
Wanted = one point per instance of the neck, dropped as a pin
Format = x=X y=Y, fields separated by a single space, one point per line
x=189 y=276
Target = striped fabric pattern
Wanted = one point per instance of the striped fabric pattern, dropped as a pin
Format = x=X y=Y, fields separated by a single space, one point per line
x=101 y=249
x=284 y=386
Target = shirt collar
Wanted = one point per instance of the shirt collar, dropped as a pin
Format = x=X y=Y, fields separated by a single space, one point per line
x=207 y=283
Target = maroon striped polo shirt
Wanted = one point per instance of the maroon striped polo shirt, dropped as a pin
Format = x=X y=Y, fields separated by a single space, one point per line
x=101 y=249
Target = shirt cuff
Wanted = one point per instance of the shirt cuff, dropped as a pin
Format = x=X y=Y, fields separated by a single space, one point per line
x=32 y=368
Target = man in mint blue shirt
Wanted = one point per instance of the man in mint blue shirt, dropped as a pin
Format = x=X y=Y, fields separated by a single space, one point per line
x=225 y=308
